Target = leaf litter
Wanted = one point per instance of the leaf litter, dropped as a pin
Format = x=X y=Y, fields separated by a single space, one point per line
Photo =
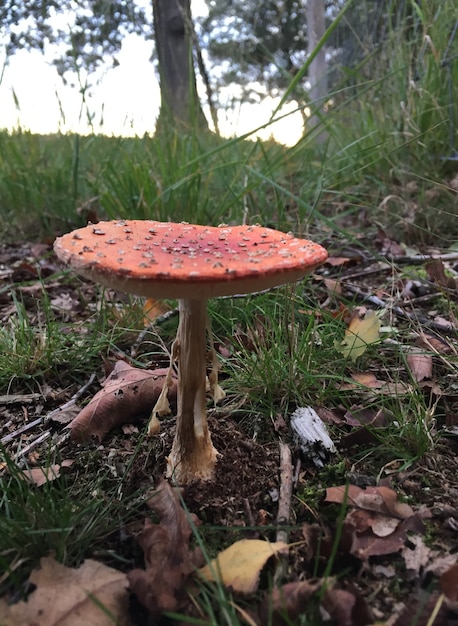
x=379 y=533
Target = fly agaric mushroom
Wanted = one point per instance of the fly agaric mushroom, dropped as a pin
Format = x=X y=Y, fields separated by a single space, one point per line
x=190 y=263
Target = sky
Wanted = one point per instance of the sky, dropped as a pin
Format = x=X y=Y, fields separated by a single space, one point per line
x=124 y=101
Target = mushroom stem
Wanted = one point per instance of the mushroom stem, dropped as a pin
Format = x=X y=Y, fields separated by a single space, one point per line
x=193 y=456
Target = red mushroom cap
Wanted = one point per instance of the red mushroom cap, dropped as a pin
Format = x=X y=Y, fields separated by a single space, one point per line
x=167 y=260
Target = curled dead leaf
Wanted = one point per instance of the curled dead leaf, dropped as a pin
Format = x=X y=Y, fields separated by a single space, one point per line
x=169 y=562
x=126 y=393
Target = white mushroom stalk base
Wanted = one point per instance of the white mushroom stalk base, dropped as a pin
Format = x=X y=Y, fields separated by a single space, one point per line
x=193 y=456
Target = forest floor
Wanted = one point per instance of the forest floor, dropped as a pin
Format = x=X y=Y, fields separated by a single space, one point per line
x=373 y=537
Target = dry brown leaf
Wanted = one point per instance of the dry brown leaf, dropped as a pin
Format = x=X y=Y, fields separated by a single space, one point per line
x=66 y=414
x=367 y=379
x=449 y=586
x=436 y=273
x=359 y=416
x=363 y=542
x=347 y=607
x=380 y=525
x=127 y=392
x=416 y=555
x=419 y=558
x=240 y=565
x=359 y=335
x=427 y=608
x=93 y=595
x=169 y=562
x=420 y=364
x=388 y=247
x=333 y=286
x=377 y=524
x=286 y=603
x=41 y=475
x=436 y=344
x=337 y=261
x=449 y=583
x=379 y=499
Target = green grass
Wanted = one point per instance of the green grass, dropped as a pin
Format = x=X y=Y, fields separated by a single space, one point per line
x=43 y=346
x=388 y=135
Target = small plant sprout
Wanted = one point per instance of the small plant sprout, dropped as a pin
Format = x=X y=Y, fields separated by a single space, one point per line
x=190 y=263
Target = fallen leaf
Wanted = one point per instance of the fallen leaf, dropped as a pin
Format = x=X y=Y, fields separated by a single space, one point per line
x=364 y=423
x=152 y=309
x=65 y=415
x=367 y=379
x=420 y=364
x=363 y=542
x=436 y=273
x=285 y=604
x=169 y=562
x=375 y=418
x=419 y=558
x=240 y=565
x=380 y=525
x=431 y=387
x=440 y=345
x=359 y=335
x=41 y=475
x=427 y=609
x=441 y=564
x=333 y=286
x=337 y=261
x=379 y=499
x=388 y=247
x=347 y=607
x=377 y=524
x=92 y=594
x=449 y=586
x=127 y=392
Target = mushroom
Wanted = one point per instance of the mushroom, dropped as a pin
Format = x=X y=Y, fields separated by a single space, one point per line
x=190 y=263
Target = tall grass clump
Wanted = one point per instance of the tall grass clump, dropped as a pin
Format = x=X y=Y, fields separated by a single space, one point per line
x=393 y=128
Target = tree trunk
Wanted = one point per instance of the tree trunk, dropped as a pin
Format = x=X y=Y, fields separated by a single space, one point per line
x=180 y=106
x=316 y=27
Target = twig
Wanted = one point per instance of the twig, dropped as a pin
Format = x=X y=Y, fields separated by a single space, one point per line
x=63 y=438
x=286 y=491
x=20 y=398
x=10 y=436
x=284 y=504
x=380 y=267
x=417 y=259
x=70 y=402
x=47 y=418
x=250 y=518
x=297 y=471
x=33 y=444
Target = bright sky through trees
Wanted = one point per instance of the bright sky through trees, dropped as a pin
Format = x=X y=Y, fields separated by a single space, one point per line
x=122 y=101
